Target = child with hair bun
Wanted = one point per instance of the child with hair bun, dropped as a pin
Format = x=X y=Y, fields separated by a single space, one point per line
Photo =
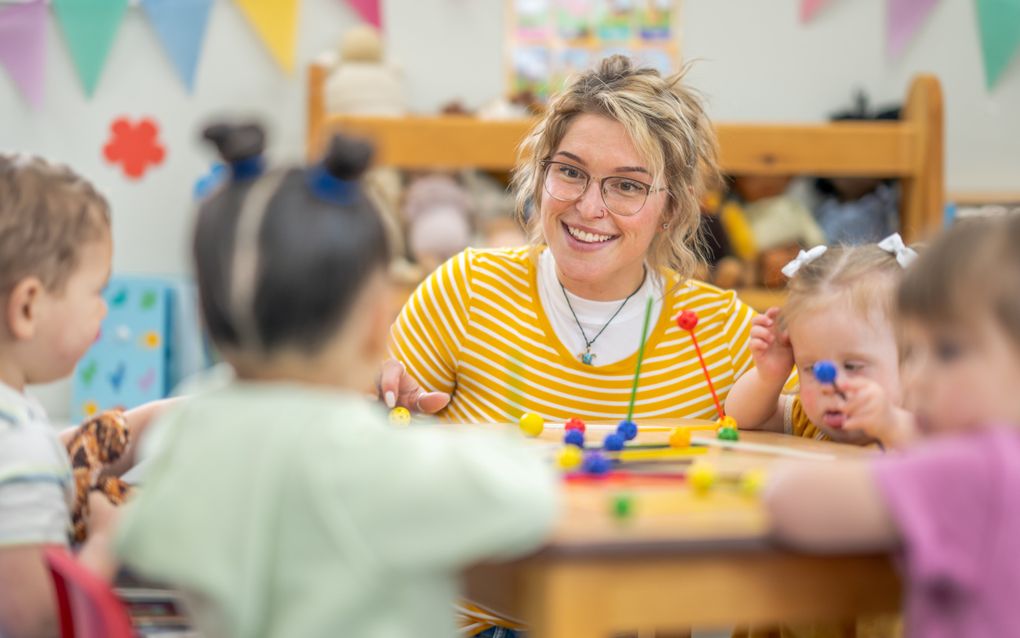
x=283 y=504
x=947 y=507
x=838 y=309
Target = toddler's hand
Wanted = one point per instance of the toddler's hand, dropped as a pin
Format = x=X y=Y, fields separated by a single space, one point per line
x=770 y=347
x=869 y=410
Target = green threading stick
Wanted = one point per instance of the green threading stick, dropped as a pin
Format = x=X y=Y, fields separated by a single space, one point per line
x=640 y=357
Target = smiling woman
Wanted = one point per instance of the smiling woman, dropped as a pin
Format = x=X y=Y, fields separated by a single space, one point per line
x=612 y=177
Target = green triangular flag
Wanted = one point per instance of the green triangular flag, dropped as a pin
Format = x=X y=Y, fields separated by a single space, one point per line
x=89 y=27
x=999 y=22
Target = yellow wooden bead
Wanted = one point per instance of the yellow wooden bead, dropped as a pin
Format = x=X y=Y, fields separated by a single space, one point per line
x=726 y=422
x=569 y=458
x=680 y=437
x=701 y=476
x=752 y=482
x=531 y=424
x=400 y=416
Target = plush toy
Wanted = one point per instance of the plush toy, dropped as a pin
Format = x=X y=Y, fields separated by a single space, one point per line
x=726 y=267
x=438 y=213
x=361 y=82
x=858 y=210
x=99 y=442
x=781 y=224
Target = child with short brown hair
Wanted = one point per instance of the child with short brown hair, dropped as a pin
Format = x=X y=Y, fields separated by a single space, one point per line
x=55 y=252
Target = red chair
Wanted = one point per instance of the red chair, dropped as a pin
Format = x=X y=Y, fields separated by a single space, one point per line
x=87 y=605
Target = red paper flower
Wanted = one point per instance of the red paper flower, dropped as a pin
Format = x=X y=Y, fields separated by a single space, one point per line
x=134 y=145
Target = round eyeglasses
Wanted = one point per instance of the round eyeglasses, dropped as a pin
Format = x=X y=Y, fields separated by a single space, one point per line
x=622 y=195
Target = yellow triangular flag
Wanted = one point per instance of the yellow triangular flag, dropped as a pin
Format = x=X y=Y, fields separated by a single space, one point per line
x=275 y=22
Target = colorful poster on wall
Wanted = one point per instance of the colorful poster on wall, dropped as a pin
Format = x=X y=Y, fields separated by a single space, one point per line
x=548 y=41
x=128 y=363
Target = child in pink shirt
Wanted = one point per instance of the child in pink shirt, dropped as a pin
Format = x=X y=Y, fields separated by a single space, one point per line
x=949 y=506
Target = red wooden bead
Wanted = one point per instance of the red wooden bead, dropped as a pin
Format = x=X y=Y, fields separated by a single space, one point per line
x=574 y=423
x=687 y=320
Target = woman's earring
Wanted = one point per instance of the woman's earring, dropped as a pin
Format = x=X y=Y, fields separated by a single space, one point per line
x=665 y=225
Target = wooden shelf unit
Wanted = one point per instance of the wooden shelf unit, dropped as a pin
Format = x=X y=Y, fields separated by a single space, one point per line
x=910 y=149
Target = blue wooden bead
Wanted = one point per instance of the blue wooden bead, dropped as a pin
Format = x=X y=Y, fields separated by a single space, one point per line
x=596 y=463
x=574 y=437
x=825 y=371
x=614 y=442
x=627 y=429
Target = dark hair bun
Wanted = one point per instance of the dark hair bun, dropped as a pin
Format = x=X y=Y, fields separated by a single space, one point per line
x=236 y=142
x=347 y=158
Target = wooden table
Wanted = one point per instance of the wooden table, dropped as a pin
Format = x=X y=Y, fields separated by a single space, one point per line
x=680 y=561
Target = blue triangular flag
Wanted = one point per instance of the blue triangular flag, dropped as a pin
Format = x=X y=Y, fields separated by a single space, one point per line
x=180 y=25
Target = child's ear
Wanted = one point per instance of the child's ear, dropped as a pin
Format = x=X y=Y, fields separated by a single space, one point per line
x=22 y=307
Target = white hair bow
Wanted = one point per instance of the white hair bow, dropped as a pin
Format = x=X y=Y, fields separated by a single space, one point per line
x=804 y=258
x=893 y=244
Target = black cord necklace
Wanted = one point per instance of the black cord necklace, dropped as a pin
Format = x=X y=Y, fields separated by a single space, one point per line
x=587 y=356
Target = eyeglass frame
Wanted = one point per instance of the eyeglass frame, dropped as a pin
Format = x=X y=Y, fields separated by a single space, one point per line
x=602 y=185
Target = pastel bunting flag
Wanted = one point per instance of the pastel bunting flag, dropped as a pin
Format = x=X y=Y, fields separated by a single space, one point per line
x=275 y=22
x=903 y=19
x=180 y=26
x=808 y=9
x=89 y=27
x=999 y=24
x=23 y=47
x=369 y=10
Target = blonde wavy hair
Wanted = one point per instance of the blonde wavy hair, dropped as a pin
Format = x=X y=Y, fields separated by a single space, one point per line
x=666 y=121
x=865 y=276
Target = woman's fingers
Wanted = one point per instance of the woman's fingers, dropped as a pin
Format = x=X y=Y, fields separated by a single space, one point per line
x=432 y=402
x=390 y=381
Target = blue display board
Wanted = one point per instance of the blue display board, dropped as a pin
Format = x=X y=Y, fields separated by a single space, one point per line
x=130 y=361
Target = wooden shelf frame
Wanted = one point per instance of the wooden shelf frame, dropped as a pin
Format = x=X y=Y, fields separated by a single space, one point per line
x=911 y=149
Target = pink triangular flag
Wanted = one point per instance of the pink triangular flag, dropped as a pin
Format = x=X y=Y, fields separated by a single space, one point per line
x=808 y=9
x=904 y=18
x=369 y=11
x=23 y=47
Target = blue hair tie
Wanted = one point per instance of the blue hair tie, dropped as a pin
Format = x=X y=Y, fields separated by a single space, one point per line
x=330 y=187
x=247 y=168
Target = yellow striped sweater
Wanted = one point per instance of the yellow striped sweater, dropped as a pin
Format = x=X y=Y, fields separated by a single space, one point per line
x=475 y=328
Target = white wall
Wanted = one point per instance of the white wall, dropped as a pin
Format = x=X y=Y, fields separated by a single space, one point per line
x=759 y=63
x=756 y=63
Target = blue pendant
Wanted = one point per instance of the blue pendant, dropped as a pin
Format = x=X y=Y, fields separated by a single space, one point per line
x=586 y=358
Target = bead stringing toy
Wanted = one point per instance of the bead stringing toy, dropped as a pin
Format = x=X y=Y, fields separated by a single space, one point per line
x=400 y=416
x=569 y=458
x=688 y=320
x=623 y=506
x=627 y=429
x=574 y=423
x=679 y=438
x=728 y=434
x=531 y=424
x=574 y=437
x=613 y=442
x=701 y=477
x=596 y=463
x=825 y=372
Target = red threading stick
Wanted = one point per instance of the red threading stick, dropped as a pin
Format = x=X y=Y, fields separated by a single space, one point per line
x=687 y=320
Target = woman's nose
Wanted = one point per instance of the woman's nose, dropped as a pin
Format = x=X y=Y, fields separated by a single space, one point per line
x=590 y=203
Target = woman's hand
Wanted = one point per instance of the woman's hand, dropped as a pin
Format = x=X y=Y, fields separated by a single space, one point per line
x=770 y=347
x=396 y=387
